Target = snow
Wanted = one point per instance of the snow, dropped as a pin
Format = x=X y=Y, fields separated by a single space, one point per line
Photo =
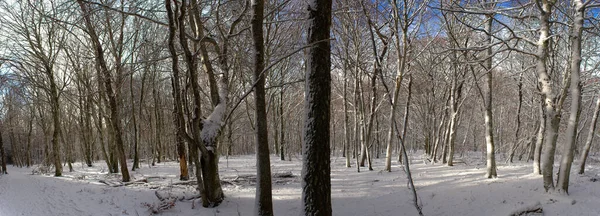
x=213 y=124
x=443 y=190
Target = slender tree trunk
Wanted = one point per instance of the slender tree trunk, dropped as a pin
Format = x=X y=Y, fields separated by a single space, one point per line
x=405 y=121
x=136 y=157
x=281 y=126
x=263 y=203
x=539 y=141
x=590 y=137
x=438 y=137
x=157 y=122
x=316 y=169
x=569 y=148
x=2 y=156
x=489 y=126
x=29 y=133
x=516 y=141
x=178 y=119
x=356 y=140
x=453 y=121
x=401 y=65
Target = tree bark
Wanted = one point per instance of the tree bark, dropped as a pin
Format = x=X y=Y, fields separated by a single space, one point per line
x=282 y=143
x=2 y=156
x=316 y=180
x=178 y=119
x=590 y=138
x=263 y=200
x=551 y=116
x=55 y=107
x=405 y=121
x=569 y=147
x=489 y=126
x=516 y=141
x=539 y=141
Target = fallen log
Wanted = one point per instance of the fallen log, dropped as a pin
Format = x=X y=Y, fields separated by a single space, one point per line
x=535 y=209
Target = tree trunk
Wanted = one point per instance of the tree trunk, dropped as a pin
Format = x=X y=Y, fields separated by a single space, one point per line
x=438 y=137
x=453 y=121
x=2 y=156
x=178 y=119
x=489 y=126
x=400 y=67
x=263 y=203
x=405 y=121
x=516 y=141
x=551 y=116
x=316 y=180
x=281 y=127
x=569 y=147
x=55 y=107
x=136 y=157
x=539 y=141
x=590 y=138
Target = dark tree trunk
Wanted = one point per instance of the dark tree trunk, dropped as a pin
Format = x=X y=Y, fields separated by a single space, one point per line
x=316 y=169
x=178 y=119
x=2 y=156
x=54 y=102
x=263 y=202
x=281 y=127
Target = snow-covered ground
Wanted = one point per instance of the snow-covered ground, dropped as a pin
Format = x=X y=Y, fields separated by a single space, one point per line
x=443 y=190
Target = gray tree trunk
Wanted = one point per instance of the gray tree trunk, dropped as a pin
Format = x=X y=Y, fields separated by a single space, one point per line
x=539 y=141
x=489 y=126
x=2 y=156
x=569 y=147
x=551 y=116
x=590 y=138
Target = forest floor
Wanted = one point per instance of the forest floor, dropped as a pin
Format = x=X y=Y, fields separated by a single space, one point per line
x=458 y=190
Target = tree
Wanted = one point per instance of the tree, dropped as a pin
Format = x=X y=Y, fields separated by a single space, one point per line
x=42 y=42
x=178 y=119
x=551 y=114
x=569 y=148
x=2 y=156
x=112 y=95
x=263 y=203
x=590 y=138
x=316 y=169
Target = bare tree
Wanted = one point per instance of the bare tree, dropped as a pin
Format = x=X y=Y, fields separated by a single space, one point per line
x=112 y=95
x=575 y=90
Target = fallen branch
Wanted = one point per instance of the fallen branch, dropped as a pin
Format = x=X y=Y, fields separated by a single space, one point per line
x=120 y=184
x=535 y=209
